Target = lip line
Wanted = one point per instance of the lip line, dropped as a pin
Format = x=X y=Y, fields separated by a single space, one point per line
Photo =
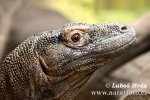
x=134 y=38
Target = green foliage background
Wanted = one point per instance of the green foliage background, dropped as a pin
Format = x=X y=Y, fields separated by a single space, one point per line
x=96 y=11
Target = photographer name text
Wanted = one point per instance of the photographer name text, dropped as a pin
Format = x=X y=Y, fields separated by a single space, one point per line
x=129 y=85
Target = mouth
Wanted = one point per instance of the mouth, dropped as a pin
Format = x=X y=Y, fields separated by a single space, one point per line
x=95 y=64
x=126 y=45
x=96 y=58
x=116 y=43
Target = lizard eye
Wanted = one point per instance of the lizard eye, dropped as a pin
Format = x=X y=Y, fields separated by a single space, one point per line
x=75 y=37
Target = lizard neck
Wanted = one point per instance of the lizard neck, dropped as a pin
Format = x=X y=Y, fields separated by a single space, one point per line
x=69 y=86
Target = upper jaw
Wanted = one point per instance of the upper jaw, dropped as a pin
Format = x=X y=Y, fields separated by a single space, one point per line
x=115 y=42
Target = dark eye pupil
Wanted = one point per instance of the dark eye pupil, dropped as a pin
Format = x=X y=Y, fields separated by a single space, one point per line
x=75 y=37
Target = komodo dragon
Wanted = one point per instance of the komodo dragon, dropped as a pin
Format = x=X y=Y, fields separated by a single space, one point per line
x=55 y=64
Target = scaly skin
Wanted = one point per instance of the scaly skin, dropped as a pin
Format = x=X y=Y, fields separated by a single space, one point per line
x=56 y=64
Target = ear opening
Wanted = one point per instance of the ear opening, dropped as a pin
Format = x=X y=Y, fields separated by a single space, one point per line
x=43 y=66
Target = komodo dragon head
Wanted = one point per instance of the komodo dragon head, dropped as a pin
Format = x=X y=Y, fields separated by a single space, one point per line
x=69 y=56
x=56 y=64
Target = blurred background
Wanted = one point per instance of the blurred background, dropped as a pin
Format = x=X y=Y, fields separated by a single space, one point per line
x=95 y=11
x=20 y=19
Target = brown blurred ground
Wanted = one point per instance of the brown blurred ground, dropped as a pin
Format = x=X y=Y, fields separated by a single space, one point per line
x=19 y=20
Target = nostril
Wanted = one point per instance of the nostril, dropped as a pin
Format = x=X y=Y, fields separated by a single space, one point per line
x=124 y=28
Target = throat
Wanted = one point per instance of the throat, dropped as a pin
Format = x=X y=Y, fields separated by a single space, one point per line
x=69 y=87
